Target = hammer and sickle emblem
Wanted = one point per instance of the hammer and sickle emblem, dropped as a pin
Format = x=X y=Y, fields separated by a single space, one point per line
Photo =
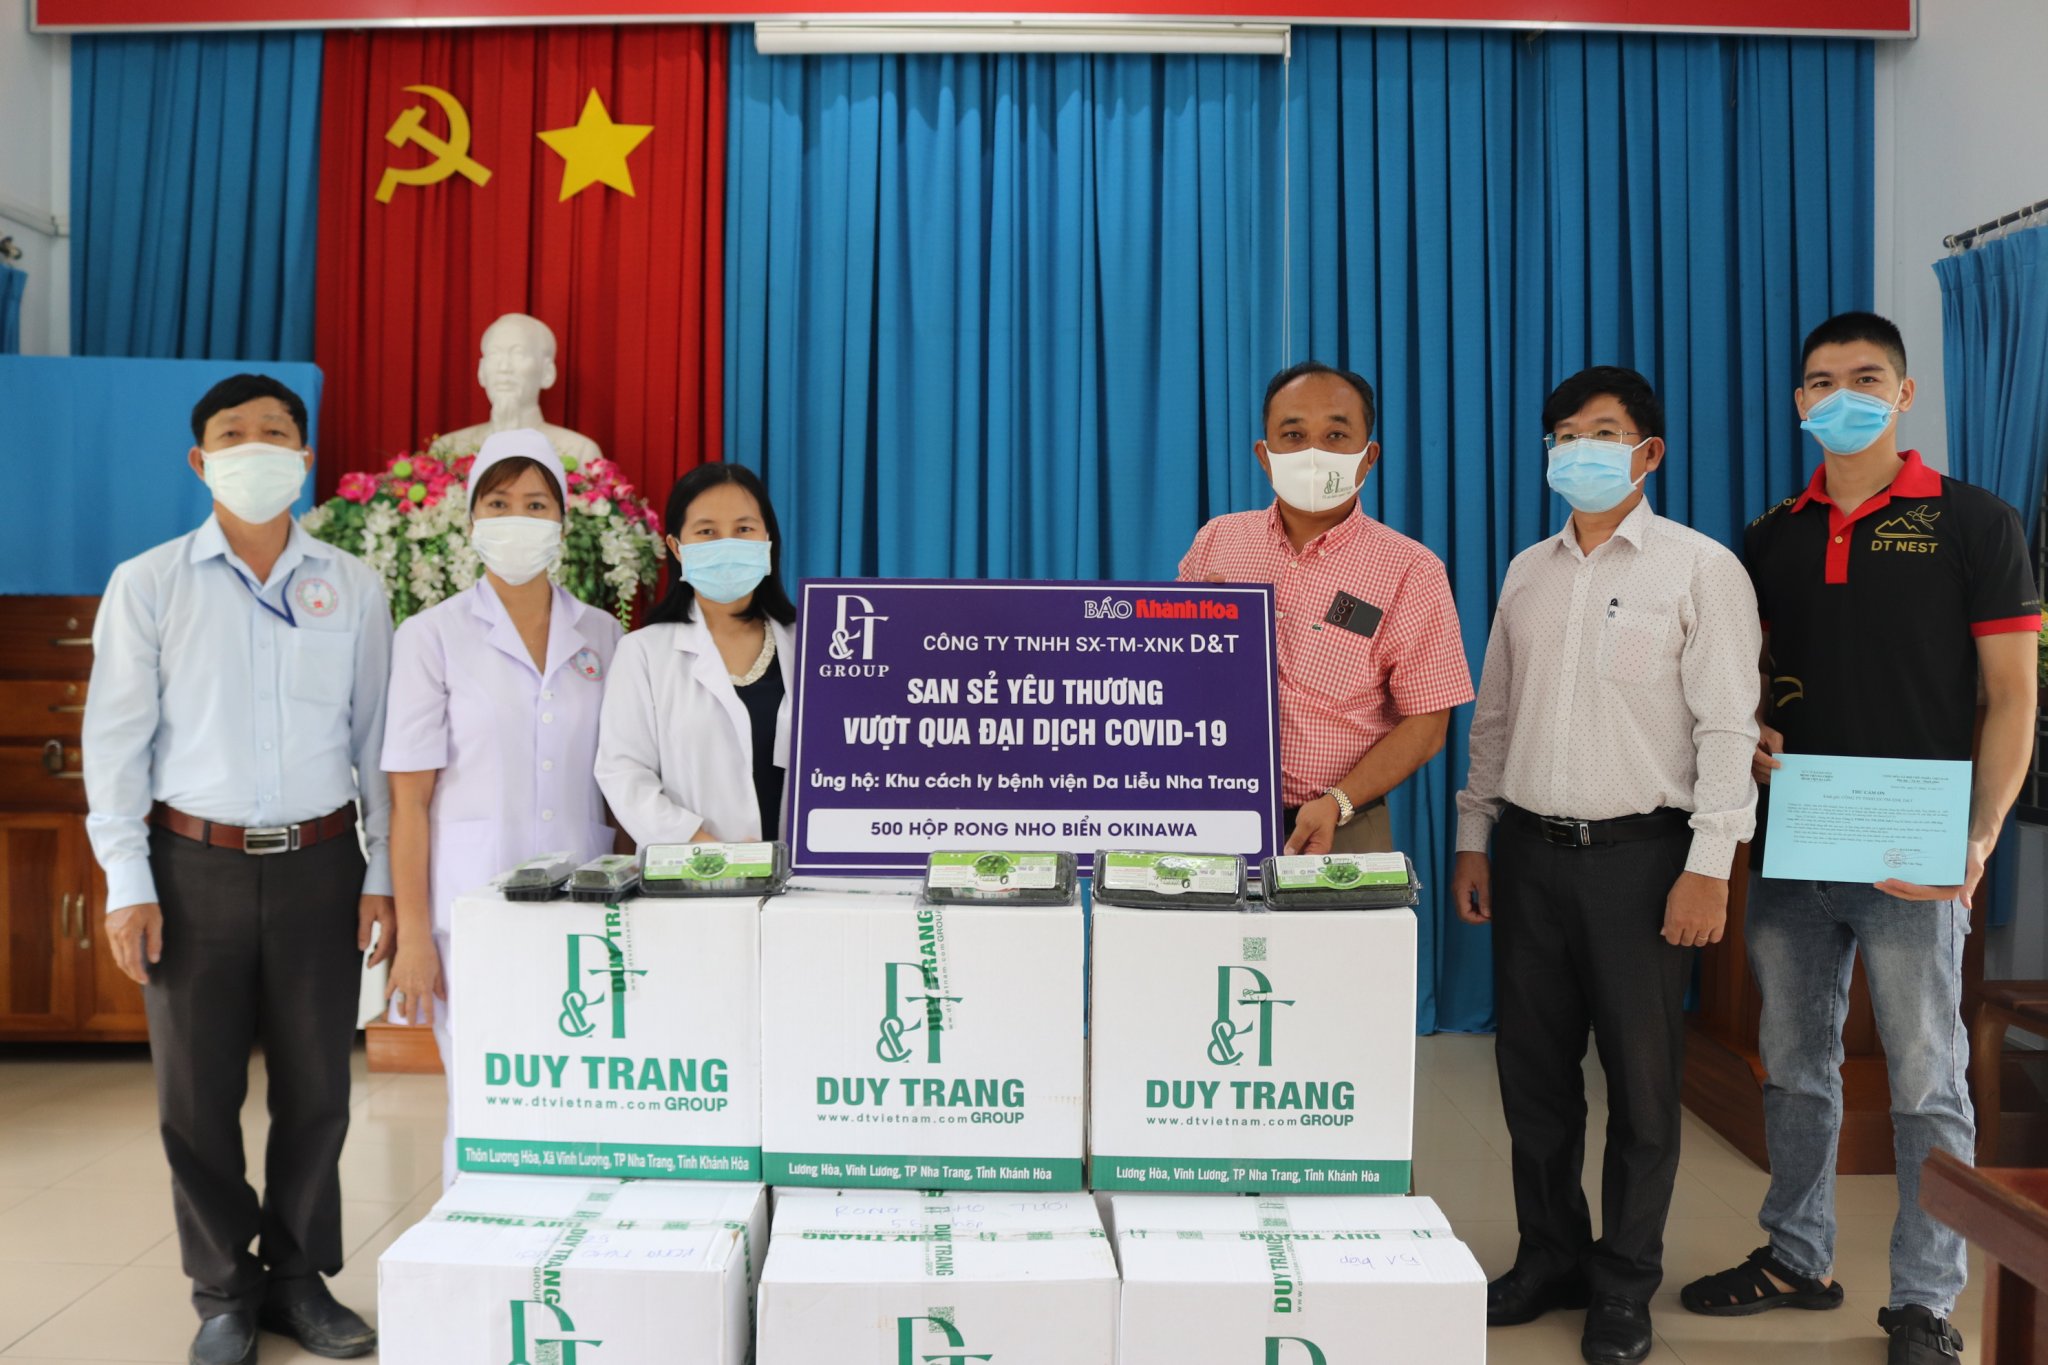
x=450 y=157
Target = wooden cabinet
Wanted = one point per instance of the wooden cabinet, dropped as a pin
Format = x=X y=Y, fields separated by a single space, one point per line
x=57 y=979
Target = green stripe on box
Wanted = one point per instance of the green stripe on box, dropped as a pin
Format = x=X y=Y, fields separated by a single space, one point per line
x=1200 y=1175
x=865 y=1170
x=619 y=1160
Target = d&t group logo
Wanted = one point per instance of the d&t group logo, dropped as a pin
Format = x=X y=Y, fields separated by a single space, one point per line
x=853 y=637
x=953 y=1350
x=575 y=1020
x=1242 y=1011
x=535 y=1350
x=899 y=979
x=1309 y=1354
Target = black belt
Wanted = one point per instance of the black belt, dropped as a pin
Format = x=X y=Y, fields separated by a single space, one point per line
x=1289 y=815
x=1553 y=829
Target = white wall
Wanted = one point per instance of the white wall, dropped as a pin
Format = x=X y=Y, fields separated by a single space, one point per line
x=35 y=172
x=1962 y=138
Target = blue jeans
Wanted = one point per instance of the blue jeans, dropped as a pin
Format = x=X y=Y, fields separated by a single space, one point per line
x=1803 y=938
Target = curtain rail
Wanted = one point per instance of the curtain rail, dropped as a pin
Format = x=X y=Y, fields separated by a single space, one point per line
x=1962 y=241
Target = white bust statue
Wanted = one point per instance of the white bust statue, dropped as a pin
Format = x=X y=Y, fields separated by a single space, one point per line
x=518 y=363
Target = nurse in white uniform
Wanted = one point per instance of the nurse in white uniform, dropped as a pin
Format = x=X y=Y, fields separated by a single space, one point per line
x=695 y=735
x=492 y=725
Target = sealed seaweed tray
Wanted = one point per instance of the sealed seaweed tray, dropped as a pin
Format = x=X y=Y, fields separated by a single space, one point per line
x=539 y=879
x=610 y=879
x=1170 y=881
x=1340 y=881
x=997 y=877
x=714 y=869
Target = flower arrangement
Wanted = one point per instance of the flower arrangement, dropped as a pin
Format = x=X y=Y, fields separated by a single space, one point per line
x=411 y=524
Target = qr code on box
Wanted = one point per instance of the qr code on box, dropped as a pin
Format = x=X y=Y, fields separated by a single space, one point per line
x=1255 y=950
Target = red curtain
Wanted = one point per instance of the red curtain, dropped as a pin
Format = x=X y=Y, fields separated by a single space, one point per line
x=632 y=286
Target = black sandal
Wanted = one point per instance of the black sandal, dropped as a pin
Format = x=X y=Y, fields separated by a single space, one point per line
x=1746 y=1289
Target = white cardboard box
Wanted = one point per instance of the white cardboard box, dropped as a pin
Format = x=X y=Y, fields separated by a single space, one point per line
x=1252 y=1053
x=1343 y=1280
x=608 y=1042
x=523 y=1269
x=906 y=1045
x=891 y=1277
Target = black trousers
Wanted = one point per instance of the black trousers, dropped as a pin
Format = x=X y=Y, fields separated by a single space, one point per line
x=255 y=949
x=1577 y=946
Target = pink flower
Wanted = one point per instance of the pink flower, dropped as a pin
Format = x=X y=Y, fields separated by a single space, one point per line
x=357 y=487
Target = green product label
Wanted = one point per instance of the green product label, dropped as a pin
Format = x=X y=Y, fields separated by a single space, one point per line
x=863 y=1170
x=708 y=862
x=1340 y=871
x=620 y=1160
x=543 y=862
x=1246 y=1175
x=990 y=870
x=1170 y=874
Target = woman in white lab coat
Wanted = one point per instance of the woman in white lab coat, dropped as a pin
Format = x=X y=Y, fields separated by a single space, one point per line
x=491 y=729
x=695 y=733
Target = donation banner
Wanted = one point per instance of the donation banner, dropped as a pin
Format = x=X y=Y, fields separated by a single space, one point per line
x=934 y=715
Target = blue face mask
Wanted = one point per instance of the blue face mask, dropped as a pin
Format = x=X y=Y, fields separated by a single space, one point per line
x=1846 y=423
x=724 y=570
x=1593 y=475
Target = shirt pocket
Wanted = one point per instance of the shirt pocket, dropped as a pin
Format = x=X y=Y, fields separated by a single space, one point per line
x=1636 y=647
x=321 y=665
x=1338 y=665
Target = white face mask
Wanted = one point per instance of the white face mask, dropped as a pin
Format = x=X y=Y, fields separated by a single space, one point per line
x=255 y=481
x=1314 y=480
x=516 y=549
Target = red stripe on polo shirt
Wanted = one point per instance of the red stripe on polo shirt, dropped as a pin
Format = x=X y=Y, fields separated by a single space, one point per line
x=2007 y=625
x=1914 y=480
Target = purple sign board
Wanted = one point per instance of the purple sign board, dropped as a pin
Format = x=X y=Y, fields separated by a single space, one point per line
x=932 y=715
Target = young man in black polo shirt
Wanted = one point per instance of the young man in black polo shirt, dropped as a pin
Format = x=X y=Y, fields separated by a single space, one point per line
x=1896 y=602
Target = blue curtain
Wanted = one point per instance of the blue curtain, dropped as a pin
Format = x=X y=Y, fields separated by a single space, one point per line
x=195 y=186
x=1479 y=215
x=13 y=284
x=1000 y=316
x=1012 y=316
x=1994 y=346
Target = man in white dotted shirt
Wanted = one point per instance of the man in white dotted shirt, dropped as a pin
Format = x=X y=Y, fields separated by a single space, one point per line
x=1610 y=764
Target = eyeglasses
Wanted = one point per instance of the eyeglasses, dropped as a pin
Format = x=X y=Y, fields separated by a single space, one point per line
x=1551 y=440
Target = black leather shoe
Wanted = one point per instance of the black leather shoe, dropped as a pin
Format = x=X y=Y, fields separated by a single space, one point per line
x=229 y=1339
x=1518 y=1297
x=1918 y=1337
x=1617 y=1331
x=308 y=1314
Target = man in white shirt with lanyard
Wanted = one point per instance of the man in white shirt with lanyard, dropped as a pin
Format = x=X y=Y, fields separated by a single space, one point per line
x=1610 y=762
x=232 y=733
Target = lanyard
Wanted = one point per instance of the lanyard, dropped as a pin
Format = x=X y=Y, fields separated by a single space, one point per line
x=285 y=615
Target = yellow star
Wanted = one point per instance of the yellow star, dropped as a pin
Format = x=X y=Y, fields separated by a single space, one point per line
x=595 y=150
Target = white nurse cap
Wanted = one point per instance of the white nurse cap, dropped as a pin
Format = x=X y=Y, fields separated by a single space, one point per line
x=511 y=445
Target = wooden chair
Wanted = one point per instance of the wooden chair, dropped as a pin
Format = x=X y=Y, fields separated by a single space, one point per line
x=1993 y=1007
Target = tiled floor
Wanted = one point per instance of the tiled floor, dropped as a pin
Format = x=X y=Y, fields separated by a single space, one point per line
x=89 y=1262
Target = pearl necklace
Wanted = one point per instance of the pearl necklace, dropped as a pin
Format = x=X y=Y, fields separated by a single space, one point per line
x=760 y=668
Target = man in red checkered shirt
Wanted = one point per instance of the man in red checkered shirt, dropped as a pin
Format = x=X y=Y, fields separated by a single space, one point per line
x=1371 y=659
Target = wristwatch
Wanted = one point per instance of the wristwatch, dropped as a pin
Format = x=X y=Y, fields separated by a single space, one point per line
x=1345 y=810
